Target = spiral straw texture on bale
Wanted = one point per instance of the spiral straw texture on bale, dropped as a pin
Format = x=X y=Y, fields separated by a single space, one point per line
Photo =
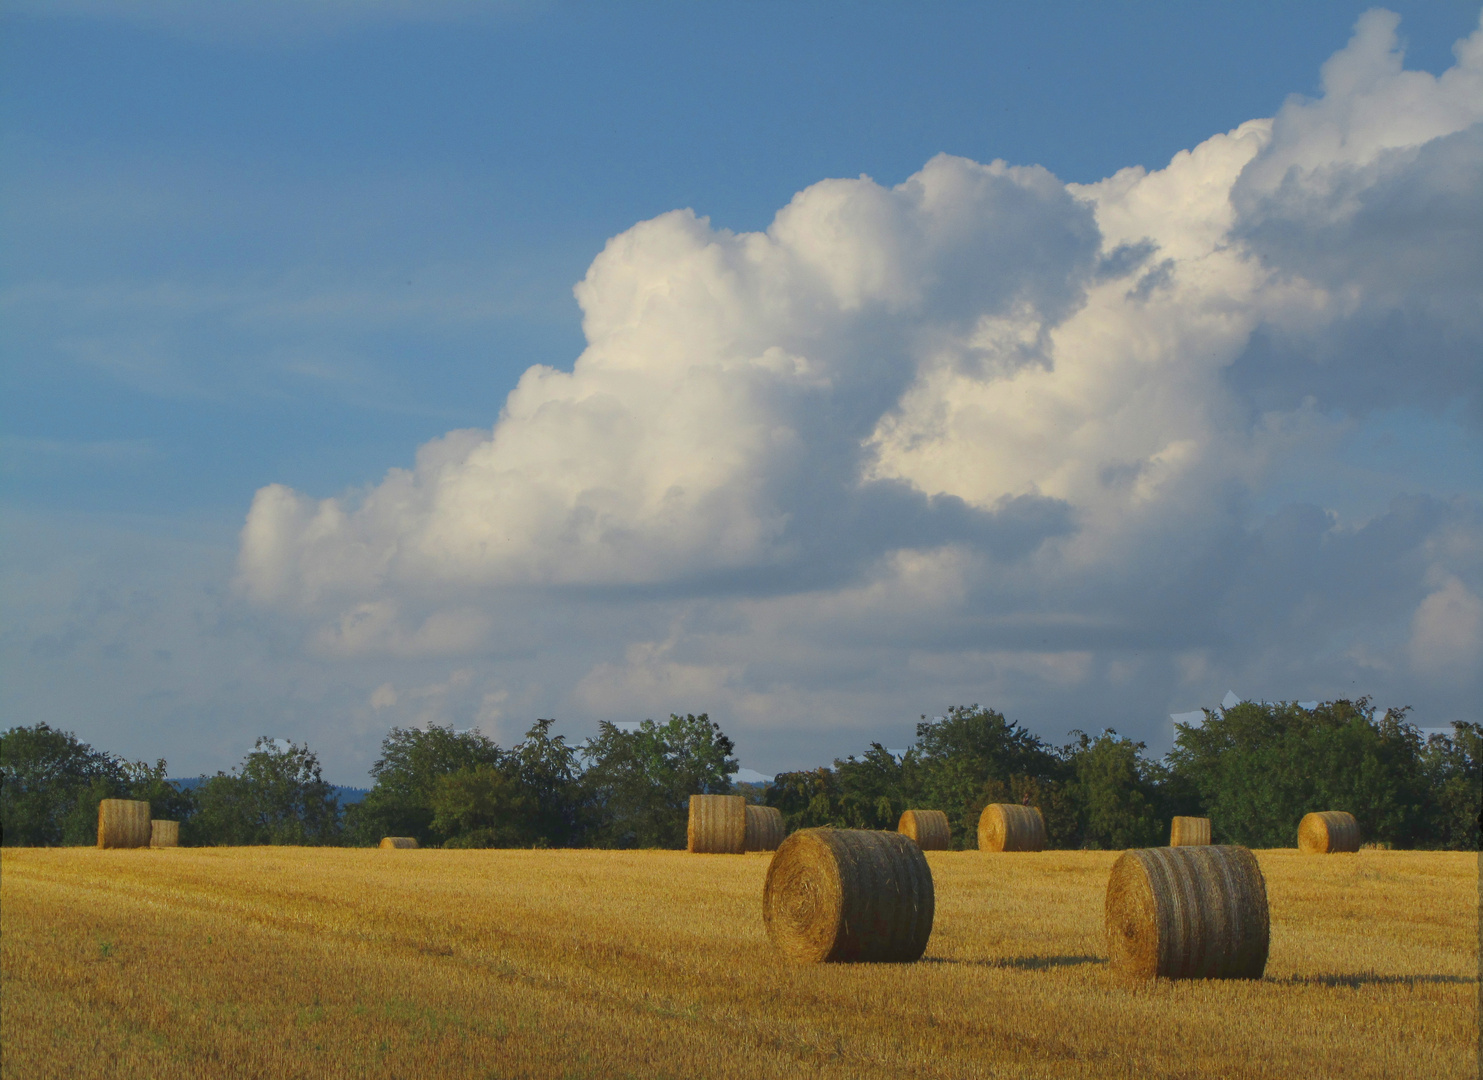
x=764 y=828
x=1188 y=913
x=164 y=833
x=123 y=823
x=398 y=842
x=847 y=896
x=1011 y=827
x=929 y=828
x=1189 y=832
x=718 y=825
x=1327 y=832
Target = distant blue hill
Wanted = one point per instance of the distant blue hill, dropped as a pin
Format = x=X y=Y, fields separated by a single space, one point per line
x=346 y=795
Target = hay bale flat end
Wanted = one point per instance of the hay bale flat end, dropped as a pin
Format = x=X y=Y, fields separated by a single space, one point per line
x=848 y=896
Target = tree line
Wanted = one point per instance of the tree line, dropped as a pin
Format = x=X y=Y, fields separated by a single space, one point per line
x=1254 y=770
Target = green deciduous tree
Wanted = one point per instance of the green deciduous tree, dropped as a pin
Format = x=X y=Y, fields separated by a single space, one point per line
x=639 y=783
x=807 y=798
x=1114 y=791
x=51 y=784
x=1453 y=767
x=276 y=796
x=974 y=756
x=484 y=806
x=1259 y=767
x=44 y=775
x=412 y=761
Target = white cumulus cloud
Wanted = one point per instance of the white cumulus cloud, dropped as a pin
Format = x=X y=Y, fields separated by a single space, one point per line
x=979 y=421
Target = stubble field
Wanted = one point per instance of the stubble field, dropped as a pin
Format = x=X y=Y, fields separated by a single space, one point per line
x=296 y=962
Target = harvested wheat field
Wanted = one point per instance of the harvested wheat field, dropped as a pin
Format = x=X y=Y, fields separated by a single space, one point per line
x=293 y=962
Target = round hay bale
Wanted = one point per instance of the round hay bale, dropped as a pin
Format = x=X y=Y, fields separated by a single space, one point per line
x=718 y=825
x=929 y=828
x=164 y=834
x=1327 y=832
x=398 y=842
x=765 y=829
x=1011 y=827
x=123 y=823
x=848 y=896
x=1189 y=832
x=1188 y=913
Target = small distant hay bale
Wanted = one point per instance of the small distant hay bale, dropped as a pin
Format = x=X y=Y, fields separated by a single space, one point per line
x=398 y=842
x=765 y=829
x=718 y=825
x=1011 y=827
x=1188 y=913
x=164 y=833
x=929 y=828
x=848 y=896
x=1327 y=832
x=1189 y=832
x=123 y=823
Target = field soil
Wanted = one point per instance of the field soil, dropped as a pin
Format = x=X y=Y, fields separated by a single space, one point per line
x=301 y=962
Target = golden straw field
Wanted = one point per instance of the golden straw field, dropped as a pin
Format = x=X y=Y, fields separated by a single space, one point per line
x=301 y=962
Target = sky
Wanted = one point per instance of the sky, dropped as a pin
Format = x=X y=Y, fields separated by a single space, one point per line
x=818 y=366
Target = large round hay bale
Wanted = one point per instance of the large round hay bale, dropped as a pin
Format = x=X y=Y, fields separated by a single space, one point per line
x=1328 y=831
x=123 y=823
x=848 y=895
x=1188 y=913
x=718 y=825
x=164 y=834
x=1189 y=832
x=765 y=829
x=1011 y=827
x=929 y=828
x=398 y=842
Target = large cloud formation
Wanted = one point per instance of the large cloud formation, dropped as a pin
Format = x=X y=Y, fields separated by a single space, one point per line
x=980 y=429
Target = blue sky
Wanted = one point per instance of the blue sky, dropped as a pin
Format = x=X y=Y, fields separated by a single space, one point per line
x=291 y=244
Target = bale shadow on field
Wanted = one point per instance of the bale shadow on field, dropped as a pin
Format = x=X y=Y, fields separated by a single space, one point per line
x=1020 y=963
x=1356 y=981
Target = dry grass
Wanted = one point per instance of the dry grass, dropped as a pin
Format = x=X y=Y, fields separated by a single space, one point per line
x=282 y=962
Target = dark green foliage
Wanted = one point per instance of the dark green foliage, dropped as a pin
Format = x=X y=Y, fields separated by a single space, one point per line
x=1115 y=793
x=44 y=773
x=548 y=770
x=1259 y=767
x=51 y=784
x=807 y=798
x=1453 y=767
x=412 y=762
x=1254 y=770
x=869 y=792
x=876 y=788
x=483 y=806
x=639 y=782
x=973 y=757
x=276 y=796
x=959 y=765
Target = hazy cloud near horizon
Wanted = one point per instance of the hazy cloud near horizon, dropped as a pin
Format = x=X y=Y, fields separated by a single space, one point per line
x=1087 y=453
